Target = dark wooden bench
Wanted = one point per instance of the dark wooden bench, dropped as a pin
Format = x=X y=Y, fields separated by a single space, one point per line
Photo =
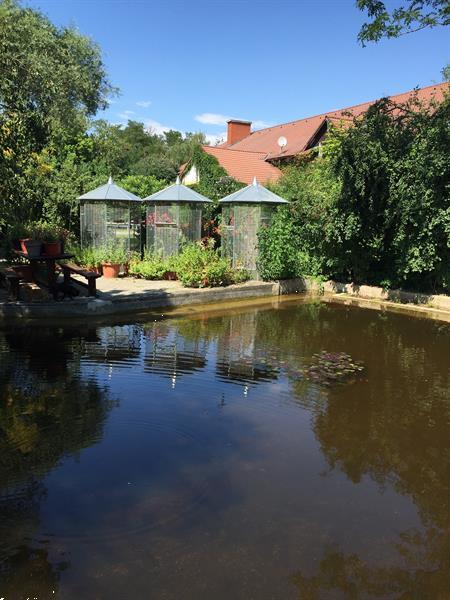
x=69 y=269
x=12 y=280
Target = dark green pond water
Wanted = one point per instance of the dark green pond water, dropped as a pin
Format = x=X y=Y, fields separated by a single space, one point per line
x=215 y=457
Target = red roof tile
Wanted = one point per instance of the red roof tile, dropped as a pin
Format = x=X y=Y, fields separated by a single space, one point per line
x=244 y=165
x=299 y=133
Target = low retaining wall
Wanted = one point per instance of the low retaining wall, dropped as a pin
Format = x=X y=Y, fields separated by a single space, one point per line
x=135 y=302
x=140 y=302
x=368 y=292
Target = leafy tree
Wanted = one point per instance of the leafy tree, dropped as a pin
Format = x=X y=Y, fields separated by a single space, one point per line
x=142 y=185
x=302 y=237
x=52 y=80
x=392 y=215
x=413 y=16
x=375 y=208
x=446 y=72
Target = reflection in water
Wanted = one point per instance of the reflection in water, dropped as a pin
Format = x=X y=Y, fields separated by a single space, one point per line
x=241 y=353
x=46 y=413
x=170 y=353
x=194 y=454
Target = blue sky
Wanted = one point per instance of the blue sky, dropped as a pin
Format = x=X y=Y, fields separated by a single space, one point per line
x=190 y=65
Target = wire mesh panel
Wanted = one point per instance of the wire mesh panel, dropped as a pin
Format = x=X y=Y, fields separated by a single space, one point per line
x=93 y=224
x=267 y=212
x=190 y=222
x=118 y=225
x=246 y=225
x=227 y=232
x=110 y=223
x=135 y=228
x=239 y=233
x=170 y=225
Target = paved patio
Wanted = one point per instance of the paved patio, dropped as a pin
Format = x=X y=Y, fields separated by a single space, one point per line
x=128 y=286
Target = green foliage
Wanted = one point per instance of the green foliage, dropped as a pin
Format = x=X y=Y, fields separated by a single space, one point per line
x=52 y=80
x=196 y=266
x=152 y=266
x=413 y=16
x=301 y=238
x=142 y=185
x=278 y=246
x=114 y=254
x=374 y=209
x=88 y=257
x=52 y=83
x=200 y=266
x=92 y=258
x=392 y=215
x=45 y=231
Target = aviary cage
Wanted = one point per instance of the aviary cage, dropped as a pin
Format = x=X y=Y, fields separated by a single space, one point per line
x=243 y=213
x=173 y=218
x=110 y=215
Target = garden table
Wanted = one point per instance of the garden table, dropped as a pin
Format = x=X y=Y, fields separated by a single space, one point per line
x=50 y=263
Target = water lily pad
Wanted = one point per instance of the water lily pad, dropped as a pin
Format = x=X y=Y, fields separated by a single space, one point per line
x=332 y=367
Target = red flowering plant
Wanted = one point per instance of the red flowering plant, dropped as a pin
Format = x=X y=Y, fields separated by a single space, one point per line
x=150 y=220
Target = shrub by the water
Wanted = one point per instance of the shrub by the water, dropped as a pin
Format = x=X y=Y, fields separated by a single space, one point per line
x=202 y=266
x=152 y=266
x=197 y=265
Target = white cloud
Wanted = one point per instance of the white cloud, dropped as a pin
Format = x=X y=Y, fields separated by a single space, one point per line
x=144 y=103
x=157 y=127
x=212 y=119
x=217 y=119
x=261 y=124
x=126 y=114
x=213 y=139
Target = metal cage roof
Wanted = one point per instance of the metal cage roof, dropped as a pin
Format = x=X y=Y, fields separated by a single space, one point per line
x=177 y=192
x=110 y=191
x=254 y=194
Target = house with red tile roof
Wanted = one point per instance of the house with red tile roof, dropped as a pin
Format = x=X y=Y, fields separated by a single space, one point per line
x=247 y=154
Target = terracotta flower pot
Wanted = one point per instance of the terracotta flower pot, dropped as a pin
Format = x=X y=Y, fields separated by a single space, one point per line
x=170 y=276
x=33 y=248
x=22 y=244
x=111 y=270
x=52 y=248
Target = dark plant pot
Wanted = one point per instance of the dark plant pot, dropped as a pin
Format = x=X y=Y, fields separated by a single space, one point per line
x=52 y=248
x=170 y=276
x=24 y=271
x=33 y=248
x=98 y=269
x=111 y=270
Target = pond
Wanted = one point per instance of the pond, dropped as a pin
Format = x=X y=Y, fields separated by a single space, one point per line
x=231 y=455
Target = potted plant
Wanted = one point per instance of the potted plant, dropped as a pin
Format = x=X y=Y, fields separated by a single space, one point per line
x=113 y=258
x=16 y=234
x=51 y=240
x=32 y=243
x=171 y=269
x=88 y=258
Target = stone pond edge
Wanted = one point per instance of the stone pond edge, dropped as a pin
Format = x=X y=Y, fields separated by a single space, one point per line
x=140 y=302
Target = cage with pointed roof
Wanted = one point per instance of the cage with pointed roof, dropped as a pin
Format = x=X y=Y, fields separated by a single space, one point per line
x=173 y=218
x=243 y=213
x=110 y=215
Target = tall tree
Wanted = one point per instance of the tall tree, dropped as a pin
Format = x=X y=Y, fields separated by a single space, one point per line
x=52 y=81
x=413 y=16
